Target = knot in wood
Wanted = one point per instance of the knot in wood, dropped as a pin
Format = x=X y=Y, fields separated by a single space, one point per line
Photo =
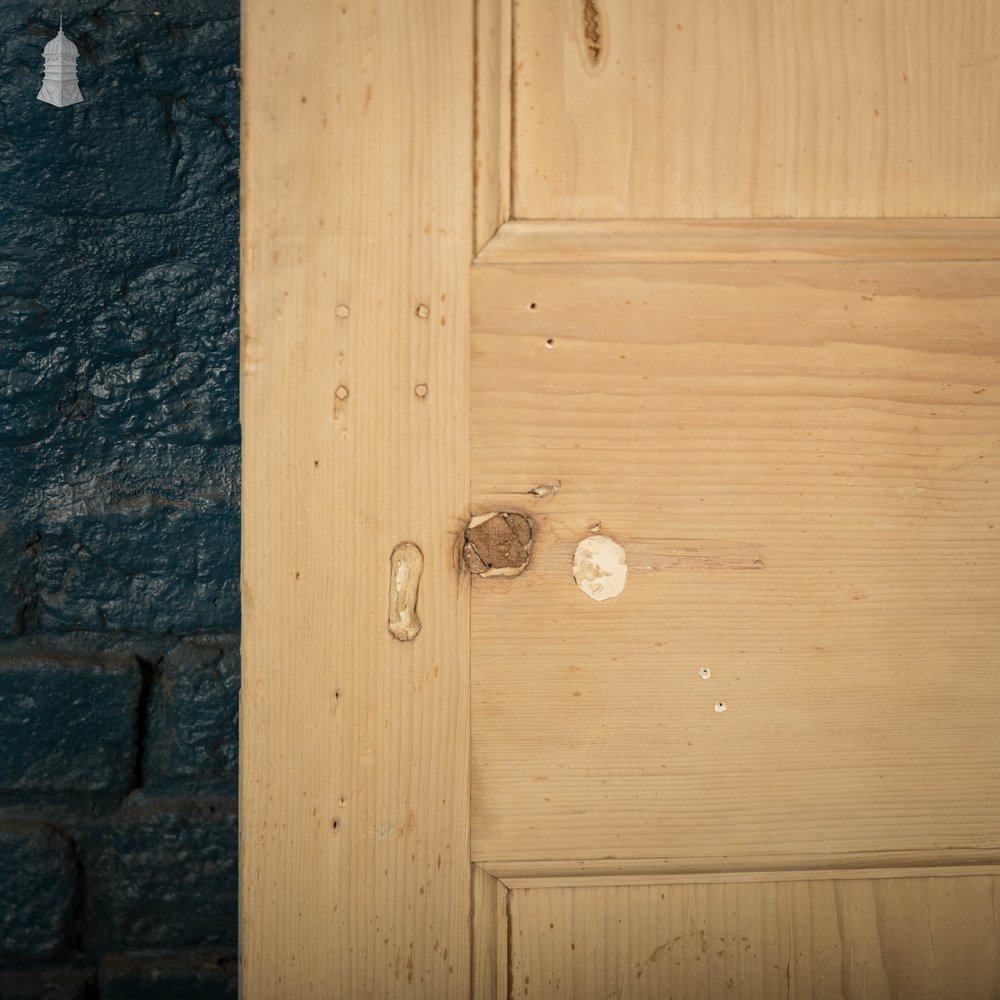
x=498 y=543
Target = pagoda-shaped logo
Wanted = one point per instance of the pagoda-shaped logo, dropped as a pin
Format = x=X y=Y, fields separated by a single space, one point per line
x=59 y=86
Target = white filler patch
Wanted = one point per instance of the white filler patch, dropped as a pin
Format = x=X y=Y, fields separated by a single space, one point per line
x=600 y=567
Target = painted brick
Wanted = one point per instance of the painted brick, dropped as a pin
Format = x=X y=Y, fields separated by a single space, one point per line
x=177 y=978
x=118 y=368
x=119 y=502
x=172 y=563
x=38 y=890
x=48 y=984
x=165 y=877
x=67 y=727
x=193 y=723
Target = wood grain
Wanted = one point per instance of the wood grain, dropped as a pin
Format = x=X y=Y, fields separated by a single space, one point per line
x=490 y=937
x=357 y=230
x=918 y=938
x=754 y=108
x=803 y=461
x=659 y=241
x=632 y=871
x=494 y=65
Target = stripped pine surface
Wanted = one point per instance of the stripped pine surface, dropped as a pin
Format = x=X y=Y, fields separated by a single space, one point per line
x=801 y=462
x=790 y=425
x=635 y=109
x=357 y=233
x=869 y=939
x=723 y=241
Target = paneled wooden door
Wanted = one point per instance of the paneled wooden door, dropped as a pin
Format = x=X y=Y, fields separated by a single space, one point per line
x=718 y=280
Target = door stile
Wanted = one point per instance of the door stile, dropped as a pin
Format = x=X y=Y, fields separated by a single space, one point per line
x=357 y=229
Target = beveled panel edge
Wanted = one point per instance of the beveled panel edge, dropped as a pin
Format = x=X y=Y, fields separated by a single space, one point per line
x=666 y=241
x=546 y=874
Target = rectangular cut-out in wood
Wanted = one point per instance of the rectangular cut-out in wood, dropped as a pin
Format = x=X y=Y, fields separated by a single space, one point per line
x=633 y=109
x=837 y=426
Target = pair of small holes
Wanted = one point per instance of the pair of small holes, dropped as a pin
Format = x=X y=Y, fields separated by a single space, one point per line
x=549 y=343
x=705 y=673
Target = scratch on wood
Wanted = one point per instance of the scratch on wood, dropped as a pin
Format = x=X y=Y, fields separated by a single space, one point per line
x=405 y=566
x=649 y=556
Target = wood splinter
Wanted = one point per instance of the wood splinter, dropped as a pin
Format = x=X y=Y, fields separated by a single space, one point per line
x=405 y=566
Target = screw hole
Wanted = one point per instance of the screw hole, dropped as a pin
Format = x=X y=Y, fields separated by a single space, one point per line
x=704 y=673
x=721 y=706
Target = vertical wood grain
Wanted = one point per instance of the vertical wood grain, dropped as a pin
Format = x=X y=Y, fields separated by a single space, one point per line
x=757 y=108
x=490 y=942
x=494 y=54
x=357 y=222
x=918 y=938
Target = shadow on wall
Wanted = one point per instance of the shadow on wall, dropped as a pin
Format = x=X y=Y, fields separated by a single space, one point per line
x=119 y=505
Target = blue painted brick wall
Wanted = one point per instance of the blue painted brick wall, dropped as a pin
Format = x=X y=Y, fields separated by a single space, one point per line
x=119 y=505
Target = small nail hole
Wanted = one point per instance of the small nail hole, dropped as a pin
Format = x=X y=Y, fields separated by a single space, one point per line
x=550 y=343
x=704 y=673
x=721 y=706
x=342 y=392
x=532 y=305
x=420 y=390
x=334 y=824
x=422 y=311
x=342 y=311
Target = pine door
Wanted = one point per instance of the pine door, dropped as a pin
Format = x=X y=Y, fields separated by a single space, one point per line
x=700 y=299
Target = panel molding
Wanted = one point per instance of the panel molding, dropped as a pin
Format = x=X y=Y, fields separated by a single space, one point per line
x=494 y=58
x=766 y=241
x=496 y=196
x=491 y=946
x=643 y=871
